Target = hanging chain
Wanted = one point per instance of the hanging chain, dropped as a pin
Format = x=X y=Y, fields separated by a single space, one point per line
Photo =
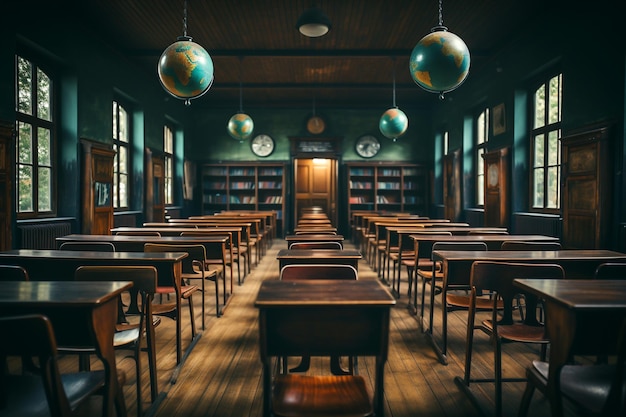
x=240 y=84
x=440 y=13
x=394 y=82
x=185 y=19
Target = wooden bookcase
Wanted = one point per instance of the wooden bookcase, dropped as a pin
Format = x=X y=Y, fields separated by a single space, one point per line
x=244 y=186
x=387 y=187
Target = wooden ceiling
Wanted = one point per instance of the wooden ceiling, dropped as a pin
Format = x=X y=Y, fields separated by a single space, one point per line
x=255 y=44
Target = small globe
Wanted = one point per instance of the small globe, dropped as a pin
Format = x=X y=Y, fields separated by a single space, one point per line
x=240 y=126
x=393 y=123
x=440 y=61
x=185 y=69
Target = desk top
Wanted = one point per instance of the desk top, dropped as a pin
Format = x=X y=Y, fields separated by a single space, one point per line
x=179 y=229
x=318 y=253
x=195 y=239
x=487 y=237
x=539 y=255
x=50 y=293
x=275 y=293
x=578 y=294
x=104 y=256
x=315 y=237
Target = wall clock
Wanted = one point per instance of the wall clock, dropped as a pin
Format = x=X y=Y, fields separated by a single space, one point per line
x=315 y=125
x=262 y=145
x=367 y=146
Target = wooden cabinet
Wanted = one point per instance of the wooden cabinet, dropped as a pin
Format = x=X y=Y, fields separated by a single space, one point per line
x=387 y=187
x=497 y=197
x=244 y=186
x=6 y=181
x=586 y=189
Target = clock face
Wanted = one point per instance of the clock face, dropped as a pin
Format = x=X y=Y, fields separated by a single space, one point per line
x=367 y=146
x=492 y=173
x=315 y=125
x=262 y=145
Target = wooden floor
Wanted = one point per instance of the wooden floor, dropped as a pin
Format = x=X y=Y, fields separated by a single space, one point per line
x=222 y=375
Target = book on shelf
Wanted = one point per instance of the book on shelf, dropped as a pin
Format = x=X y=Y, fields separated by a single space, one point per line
x=242 y=185
x=216 y=185
x=361 y=171
x=271 y=171
x=388 y=185
x=361 y=185
x=274 y=199
x=358 y=200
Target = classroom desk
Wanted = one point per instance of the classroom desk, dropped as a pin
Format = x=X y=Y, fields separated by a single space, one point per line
x=457 y=265
x=314 y=229
x=318 y=256
x=340 y=317
x=583 y=317
x=82 y=314
x=314 y=238
x=60 y=265
x=493 y=242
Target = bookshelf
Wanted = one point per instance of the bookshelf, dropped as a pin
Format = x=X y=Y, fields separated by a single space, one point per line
x=394 y=186
x=244 y=186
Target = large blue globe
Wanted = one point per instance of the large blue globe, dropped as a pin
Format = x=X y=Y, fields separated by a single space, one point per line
x=240 y=126
x=185 y=69
x=393 y=123
x=440 y=61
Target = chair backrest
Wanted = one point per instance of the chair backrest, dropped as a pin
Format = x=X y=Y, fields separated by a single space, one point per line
x=295 y=272
x=139 y=233
x=36 y=339
x=13 y=273
x=315 y=245
x=529 y=245
x=197 y=254
x=315 y=231
x=611 y=270
x=498 y=277
x=470 y=246
x=88 y=246
x=487 y=232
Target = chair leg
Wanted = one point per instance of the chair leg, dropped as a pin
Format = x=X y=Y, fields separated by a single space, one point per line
x=498 y=374
x=526 y=399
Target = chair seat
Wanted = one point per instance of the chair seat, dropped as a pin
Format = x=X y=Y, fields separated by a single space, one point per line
x=463 y=301
x=317 y=396
x=586 y=385
x=522 y=333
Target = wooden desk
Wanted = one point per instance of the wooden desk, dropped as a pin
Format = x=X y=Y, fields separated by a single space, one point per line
x=318 y=256
x=457 y=265
x=82 y=314
x=348 y=318
x=313 y=229
x=314 y=238
x=583 y=317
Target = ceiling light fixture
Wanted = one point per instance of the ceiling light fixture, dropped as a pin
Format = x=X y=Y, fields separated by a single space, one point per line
x=313 y=23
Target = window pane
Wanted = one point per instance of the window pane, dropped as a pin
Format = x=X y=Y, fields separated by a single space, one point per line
x=25 y=188
x=123 y=124
x=553 y=188
x=480 y=190
x=25 y=144
x=43 y=96
x=538 y=151
x=115 y=188
x=538 y=188
x=115 y=120
x=168 y=191
x=540 y=107
x=480 y=129
x=24 y=85
x=123 y=186
x=553 y=148
x=554 y=115
x=44 y=190
x=168 y=140
x=123 y=158
x=43 y=146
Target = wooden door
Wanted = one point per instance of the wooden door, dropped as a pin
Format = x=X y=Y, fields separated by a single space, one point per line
x=155 y=187
x=97 y=180
x=497 y=197
x=586 y=192
x=6 y=180
x=316 y=185
x=452 y=185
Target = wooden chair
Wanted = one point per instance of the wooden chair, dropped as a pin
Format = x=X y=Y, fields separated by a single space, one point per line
x=296 y=272
x=315 y=245
x=529 y=245
x=88 y=246
x=594 y=390
x=13 y=273
x=172 y=310
x=130 y=337
x=232 y=254
x=610 y=270
x=48 y=392
x=496 y=279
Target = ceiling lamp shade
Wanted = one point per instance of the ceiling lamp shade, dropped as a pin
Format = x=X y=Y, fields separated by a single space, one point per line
x=313 y=23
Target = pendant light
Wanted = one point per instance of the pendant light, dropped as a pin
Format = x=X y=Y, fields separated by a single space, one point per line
x=185 y=68
x=313 y=23
x=393 y=123
x=240 y=125
x=440 y=61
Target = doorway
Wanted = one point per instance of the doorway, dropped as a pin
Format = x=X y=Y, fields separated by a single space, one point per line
x=315 y=182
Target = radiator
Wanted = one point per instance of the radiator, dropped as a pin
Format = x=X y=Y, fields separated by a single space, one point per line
x=537 y=224
x=42 y=235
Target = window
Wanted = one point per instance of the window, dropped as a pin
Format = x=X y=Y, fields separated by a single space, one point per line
x=168 y=148
x=481 y=135
x=445 y=143
x=35 y=126
x=121 y=165
x=545 y=145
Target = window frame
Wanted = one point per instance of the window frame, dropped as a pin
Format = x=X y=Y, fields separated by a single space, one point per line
x=545 y=130
x=36 y=123
x=481 y=141
x=169 y=137
x=118 y=144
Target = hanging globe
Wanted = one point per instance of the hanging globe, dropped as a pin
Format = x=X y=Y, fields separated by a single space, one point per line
x=185 y=70
x=393 y=123
x=240 y=126
x=440 y=61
